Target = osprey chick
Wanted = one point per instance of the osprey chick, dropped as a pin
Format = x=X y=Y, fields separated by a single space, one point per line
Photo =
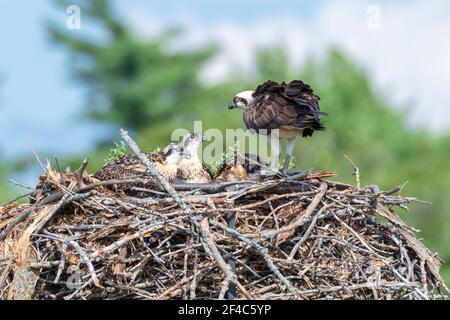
x=239 y=168
x=129 y=167
x=190 y=168
x=282 y=111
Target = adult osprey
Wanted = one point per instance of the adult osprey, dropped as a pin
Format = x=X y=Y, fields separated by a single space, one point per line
x=281 y=111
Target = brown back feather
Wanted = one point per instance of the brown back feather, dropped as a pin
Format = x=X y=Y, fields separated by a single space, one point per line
x=277 y=105
x=127 y=167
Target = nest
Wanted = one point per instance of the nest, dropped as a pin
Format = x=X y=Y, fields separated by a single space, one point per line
x=275 y=239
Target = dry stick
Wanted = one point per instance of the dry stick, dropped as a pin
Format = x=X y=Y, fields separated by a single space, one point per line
x=423 y=277
x=62 y=262
x=60 y=171
x=5 y=272
x=231 y=221
x=237 y=186
x=206 y=187
x=214 y=252
x=63 y=202
x=262 y=251
x=356 y=172
x=17 y=198
x=367 y=285
x=124 y=240
x=180 y=284
x=58 y=195
x=193 y=285
x=79 y=173
x=270 y=199
x=308 y=232
x=20 y=218
x=137 y=291
x=77 y=248
x=20 y=185
x=267 y=234
x=395 y=190
x=356 y=234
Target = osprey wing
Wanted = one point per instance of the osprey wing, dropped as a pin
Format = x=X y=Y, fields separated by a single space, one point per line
x=292 y=105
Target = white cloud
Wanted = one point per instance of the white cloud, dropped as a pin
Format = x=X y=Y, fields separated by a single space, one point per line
x=408 y=58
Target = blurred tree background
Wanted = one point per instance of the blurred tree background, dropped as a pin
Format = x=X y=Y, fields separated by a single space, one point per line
x=5 y=189
x=149 y=90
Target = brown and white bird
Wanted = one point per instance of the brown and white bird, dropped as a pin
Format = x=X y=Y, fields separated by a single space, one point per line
x=281 y=111
x=190 y=168
x=237 y=168
x=129 y=167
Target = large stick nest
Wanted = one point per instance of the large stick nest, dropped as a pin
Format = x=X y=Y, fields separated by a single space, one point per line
x=305 y=239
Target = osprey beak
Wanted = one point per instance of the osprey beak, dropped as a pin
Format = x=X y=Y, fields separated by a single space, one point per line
x=205 y=138
x=231 y=106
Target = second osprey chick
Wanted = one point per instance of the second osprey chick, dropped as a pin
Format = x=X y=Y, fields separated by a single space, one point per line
x=190 y=168
x=237 y=168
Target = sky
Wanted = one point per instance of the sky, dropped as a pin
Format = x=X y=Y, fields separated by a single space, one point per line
x=403 y=45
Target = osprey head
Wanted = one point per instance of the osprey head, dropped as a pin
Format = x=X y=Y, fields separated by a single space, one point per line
x=173 y=153
x=191 y=144
x=241 y=100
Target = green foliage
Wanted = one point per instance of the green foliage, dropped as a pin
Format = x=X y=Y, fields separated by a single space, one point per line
x=232 y=150
x=6 y=190
x=119 y=150
x=214 y=167
x=292 y=163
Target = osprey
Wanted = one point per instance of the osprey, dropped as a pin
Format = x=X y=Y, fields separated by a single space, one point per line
x=129 y=167
x=238 y=168
x=281 y=111
x=190 y=168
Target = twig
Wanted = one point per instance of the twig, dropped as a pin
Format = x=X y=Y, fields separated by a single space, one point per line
x=264 y=253
x=356 y=172
x=354 y=233
x=308 y=231
x=60 y=171
x=5 y=272
x=229 y=275
x=21 y=185
x=17 y=198
x=80 y=251
x=302 y=220
x=79 y=173
x=231 y=221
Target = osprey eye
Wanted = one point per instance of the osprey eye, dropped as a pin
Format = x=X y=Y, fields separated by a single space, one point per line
x=237 y=99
